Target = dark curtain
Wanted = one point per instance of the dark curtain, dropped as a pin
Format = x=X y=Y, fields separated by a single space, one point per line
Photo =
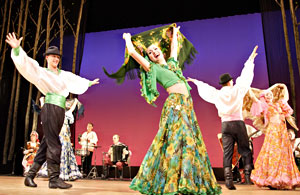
x=276 y=54
x=71 y=8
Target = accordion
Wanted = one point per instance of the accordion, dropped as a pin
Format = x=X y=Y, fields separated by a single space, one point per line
x=117 y=154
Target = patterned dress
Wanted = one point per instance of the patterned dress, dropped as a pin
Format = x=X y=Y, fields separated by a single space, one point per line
x=275 y=165
x=177 y=161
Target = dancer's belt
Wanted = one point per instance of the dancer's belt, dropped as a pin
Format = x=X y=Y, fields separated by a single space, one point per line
x=56 y=99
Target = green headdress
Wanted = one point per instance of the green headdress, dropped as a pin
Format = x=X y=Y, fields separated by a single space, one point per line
x=161 y=36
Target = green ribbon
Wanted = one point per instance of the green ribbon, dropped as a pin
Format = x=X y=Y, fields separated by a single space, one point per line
x=56 y=99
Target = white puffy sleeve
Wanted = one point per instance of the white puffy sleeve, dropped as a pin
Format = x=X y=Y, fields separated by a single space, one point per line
x=206 y=92
x=75 y=83
x=27 y=67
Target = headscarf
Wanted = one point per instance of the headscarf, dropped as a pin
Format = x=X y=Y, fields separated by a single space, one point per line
x=257 y=111
x=161 y=36
x=36 y=135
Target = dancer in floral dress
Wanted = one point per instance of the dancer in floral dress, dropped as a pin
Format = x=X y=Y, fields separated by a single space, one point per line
x=275 y=165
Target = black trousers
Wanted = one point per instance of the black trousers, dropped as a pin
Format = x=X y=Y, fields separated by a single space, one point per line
x=235 y=132
x=87 y=163
x=52 y=118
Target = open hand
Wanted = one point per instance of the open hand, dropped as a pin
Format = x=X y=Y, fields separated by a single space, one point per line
x=253 y=54
x=176 y=29
x=191 y=80
x=126 y=36
x=95 y=81
x=12 y=40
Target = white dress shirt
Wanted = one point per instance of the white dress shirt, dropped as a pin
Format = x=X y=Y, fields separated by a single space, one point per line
x=229 y=99
x=46 y=81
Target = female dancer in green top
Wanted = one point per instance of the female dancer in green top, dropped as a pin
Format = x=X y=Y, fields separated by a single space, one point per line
x=177 y=161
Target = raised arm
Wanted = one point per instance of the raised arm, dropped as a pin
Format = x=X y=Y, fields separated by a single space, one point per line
x=174 y=43
x=28 y=67
x=133 y=53
x=246 y=77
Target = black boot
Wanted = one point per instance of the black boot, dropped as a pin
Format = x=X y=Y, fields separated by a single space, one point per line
x=229 y=178
x=247 y=172
x=31 y=175
x=54 y=180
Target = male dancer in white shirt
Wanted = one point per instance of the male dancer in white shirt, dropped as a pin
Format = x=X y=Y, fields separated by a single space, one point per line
x=56 y=85
x=229 y=101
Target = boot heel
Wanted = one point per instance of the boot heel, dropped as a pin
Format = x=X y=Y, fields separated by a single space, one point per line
x=229 y=178
x=59 y=183
x=31 y=175
x=29 y=182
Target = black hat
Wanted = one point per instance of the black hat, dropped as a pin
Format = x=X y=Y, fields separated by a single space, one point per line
x=224 y=78
x=52 y=50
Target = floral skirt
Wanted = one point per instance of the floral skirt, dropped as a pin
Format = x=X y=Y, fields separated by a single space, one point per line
x=177 y=161
x=275 y=165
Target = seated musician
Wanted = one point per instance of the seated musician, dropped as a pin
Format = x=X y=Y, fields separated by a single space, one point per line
x=29 y=153
x=117 y=154
x=88 y=141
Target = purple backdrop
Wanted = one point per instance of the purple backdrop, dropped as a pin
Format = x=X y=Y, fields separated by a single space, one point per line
x=223 y=45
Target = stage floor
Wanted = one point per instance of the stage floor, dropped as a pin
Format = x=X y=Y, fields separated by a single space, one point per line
x=14 y=185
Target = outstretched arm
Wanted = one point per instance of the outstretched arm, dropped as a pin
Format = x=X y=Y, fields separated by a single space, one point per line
x=205 y=91
x=133 y=53
x=94 y=82
x=174 y=44
x=189 y=79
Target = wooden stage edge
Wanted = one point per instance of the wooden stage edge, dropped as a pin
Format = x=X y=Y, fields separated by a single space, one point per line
x=15 y=185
